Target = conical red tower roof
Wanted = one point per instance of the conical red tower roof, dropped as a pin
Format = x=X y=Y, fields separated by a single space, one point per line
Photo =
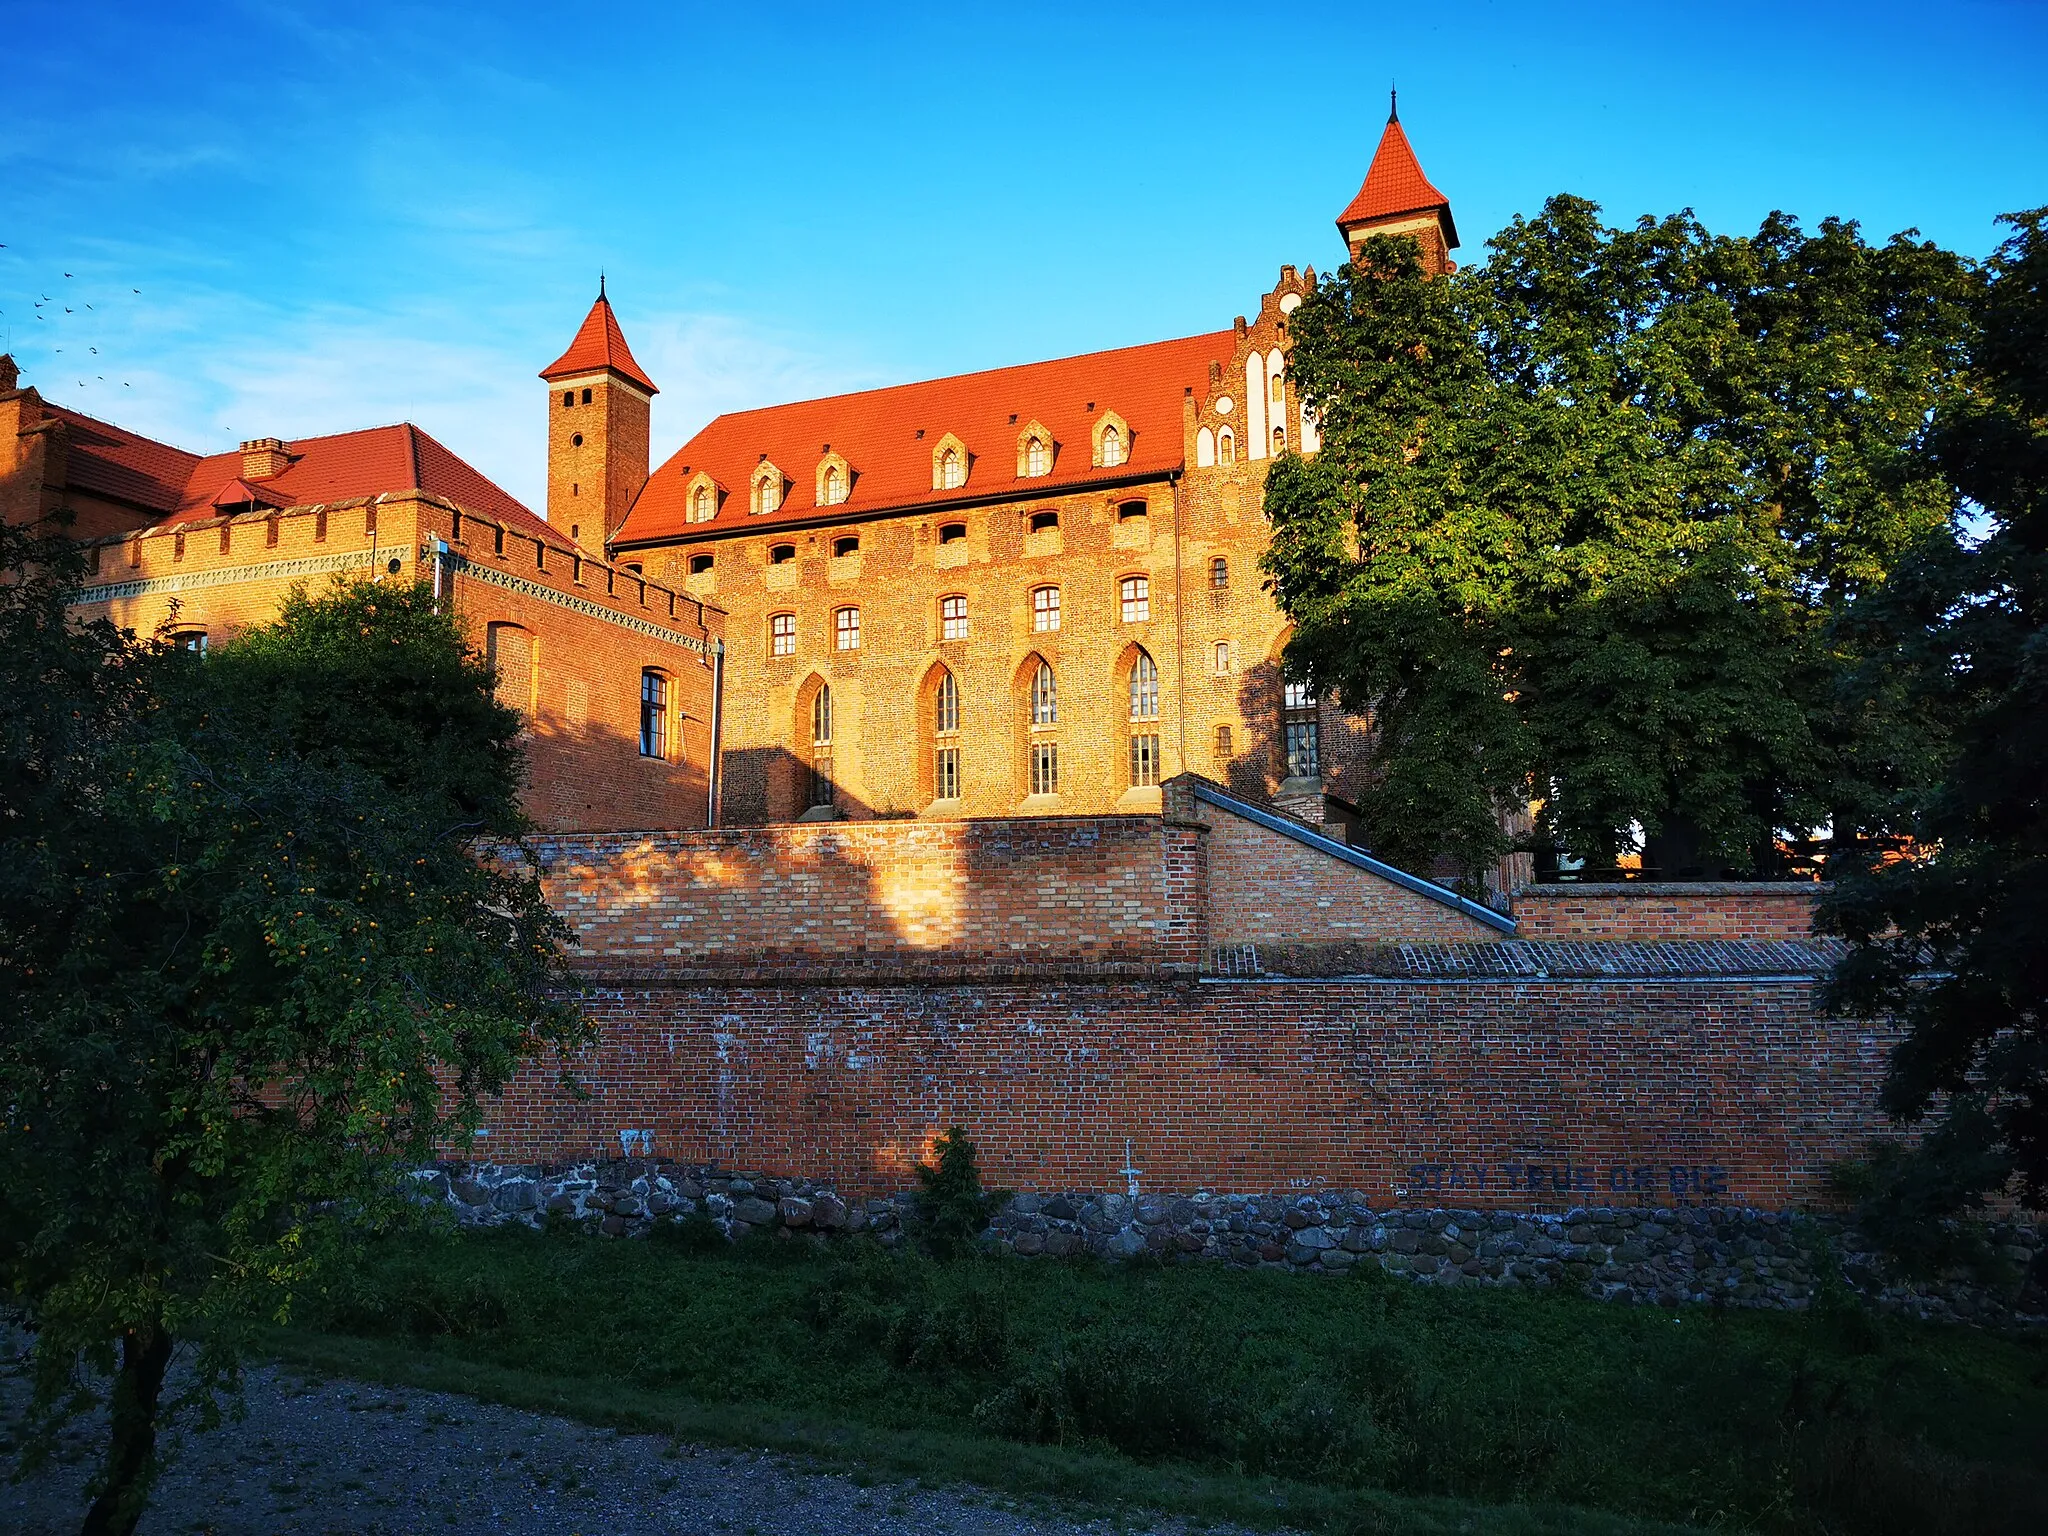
x=1395 y=185
x=600 y=345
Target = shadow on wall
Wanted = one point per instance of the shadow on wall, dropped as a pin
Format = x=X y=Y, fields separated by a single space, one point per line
x=592 y=777
x=767 y=785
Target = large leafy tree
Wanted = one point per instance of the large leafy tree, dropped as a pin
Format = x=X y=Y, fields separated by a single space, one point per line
x=251 y=959
x=1949 y=940
x=1584 y=517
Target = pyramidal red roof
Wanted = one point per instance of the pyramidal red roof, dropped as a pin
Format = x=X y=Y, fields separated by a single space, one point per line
x=887 y=437
x=1395 y=185
x=598 y=346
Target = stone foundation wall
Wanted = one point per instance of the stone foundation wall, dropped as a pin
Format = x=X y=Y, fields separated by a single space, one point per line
x=1665 y=1255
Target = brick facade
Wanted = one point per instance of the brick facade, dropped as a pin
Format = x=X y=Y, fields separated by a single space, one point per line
x=1532 y=1094
x=1629 y=912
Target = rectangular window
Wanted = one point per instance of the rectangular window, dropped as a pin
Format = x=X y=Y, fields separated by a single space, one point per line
x=1137 y=596
x=1219 y=572
x=653 y=714
x=1045 y=768
x=952 y=618
x=1222 y=659
x=1045 y=608
x=1224 y=746
x=848 y=626
x=1144 y=760
x=946 y=773
x=782 y=635
x=1303 y=757
x=1300 y=696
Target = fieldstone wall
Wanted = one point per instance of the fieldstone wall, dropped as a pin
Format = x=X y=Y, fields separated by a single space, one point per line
x=1669 y=1256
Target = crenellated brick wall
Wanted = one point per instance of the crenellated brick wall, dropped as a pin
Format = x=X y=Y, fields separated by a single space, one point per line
x=1754 y=912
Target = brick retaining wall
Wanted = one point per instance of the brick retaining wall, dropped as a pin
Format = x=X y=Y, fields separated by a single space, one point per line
x=1707 y=910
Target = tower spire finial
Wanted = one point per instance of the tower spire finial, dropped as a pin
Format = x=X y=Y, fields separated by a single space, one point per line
x=1393 y=105
x=600 y=284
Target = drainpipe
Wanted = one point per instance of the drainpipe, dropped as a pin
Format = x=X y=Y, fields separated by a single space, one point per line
x=712 y=778
x=1180 y=629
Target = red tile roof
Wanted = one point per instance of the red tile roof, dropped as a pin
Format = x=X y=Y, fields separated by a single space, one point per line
x=600 y=345
x=1395 y=185
x=887 y=437
x=187 y=487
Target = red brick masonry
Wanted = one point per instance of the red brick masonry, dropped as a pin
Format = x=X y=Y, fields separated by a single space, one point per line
x=1708 y=910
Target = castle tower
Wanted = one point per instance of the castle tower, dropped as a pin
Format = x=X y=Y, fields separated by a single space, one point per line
x=599 y=405
x=1397 y=199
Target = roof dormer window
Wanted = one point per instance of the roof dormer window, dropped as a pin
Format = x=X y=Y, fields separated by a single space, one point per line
x=701 y=499
x=701 y=508
x=1112 y=447
x=835 y=479
x=949 y=463
x=768 y=486
x=1035 y=451
x=1112 y=440
x=1035 y=460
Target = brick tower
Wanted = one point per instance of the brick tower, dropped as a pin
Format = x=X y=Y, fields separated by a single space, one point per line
x=1397 y=199
x=599 y=404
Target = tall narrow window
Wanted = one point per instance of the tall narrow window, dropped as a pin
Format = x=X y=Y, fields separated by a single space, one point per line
x=1279 y=440
x=1279 y=392
x=1045 y=608
x=653 y=714
x=1144 y=759
x=946 y=739
x=821 y=747
x=1144 y=688
x=782 y=635
x=1045 y=696
x=1137 y=599
x=1034 y=457
x=952 y=618
x=952 y=474
x=847 y=626
x=1112 y=447
x=510 y=650
x=1224 y=745
x=1303 y=733
x=1219 y=573
x=1220 y=662
x=767 y=493
x=1226 y=447
x=835 y=486
x=702 y=504
x=1045 y=767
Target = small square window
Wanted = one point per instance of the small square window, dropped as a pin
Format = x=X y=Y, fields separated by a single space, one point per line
x=952 y=618
x=782 y=635
x=846 y=625
x=1045 y=608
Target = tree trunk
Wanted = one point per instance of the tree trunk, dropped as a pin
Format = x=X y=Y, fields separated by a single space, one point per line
x=131 y=1441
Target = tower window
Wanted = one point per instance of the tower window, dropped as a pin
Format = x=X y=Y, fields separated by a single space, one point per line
x=1137 y=599
x=1112 y=447
x=1045 y=608
x=1042 y=521
x=1219 y=573
x=952 y=533
x=1224 y=744
x=952 y=618
x=586 y=397
x=849 y=545
x=653 y=714
x=1303 y=732
x=568 y=398
x=846 y=625
x=699 y=564
x=1221 y=658
x=782 y=635
x=781 y=554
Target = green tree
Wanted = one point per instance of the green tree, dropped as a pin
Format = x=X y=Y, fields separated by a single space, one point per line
x=1949 y=939
x=1584 y=518
x=253 y=963
x=954 y=1207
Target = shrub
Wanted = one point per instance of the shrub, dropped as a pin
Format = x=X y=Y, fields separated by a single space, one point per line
x=953 y=1208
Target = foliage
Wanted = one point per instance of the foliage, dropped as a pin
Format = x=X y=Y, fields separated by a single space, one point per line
x=1715 y=1417
x=1948 y=940
x=1584 y=517
x=251 y=959
x=953 y=1208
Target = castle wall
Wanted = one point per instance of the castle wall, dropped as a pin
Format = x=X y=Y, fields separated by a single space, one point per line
x=1631 y=912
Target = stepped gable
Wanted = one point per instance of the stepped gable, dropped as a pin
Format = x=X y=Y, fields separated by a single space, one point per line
x=599 y=347
x=1395 y=185
x=887 y=437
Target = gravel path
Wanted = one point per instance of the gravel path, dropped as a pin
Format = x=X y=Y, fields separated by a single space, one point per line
x=345 y=1457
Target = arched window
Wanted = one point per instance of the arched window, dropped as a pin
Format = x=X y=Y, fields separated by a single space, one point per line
x=771 y=495
x=946 y=739
x=586 y=397
x=835 y=487
x=1279 y=392
x=1045 y=696
x=699 y=564
x=1044 y=522
x=1221 y=659
x=821 y=746
x=510 y=651
x=1226 y=447
x=952 y=474
x=1137 y=599
x=1045 y=608
x=849 y=545
x=568 y=398
x=653 y=714
x=781 y=554
x=1144 y=687
x=1034 y=457
x=1112 y=447
x=1279 y=441
x=702 y=504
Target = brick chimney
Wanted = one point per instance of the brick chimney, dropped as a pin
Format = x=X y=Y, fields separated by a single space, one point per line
x=10 y=375
x=264 y=458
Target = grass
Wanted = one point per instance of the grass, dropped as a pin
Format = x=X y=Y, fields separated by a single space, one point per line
x=1355 y=1404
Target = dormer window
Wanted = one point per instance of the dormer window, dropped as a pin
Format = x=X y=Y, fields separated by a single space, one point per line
x=952 y=533
x=700 y=502
x=835 y=479
x=1035 y=450
x=701 y=507
x=1036 y=461
x=1112 y=440
x=1044 y=522
x=949 y=463
x=1112 y=448
x=768 y=486
x=849 y=545
x=781 y=554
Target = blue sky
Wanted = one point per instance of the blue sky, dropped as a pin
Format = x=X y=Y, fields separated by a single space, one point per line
x=344 y=215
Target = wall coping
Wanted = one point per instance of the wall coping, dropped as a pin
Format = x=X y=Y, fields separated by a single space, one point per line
x=1617 y=890
x=1287 y=827
x=816 y=831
